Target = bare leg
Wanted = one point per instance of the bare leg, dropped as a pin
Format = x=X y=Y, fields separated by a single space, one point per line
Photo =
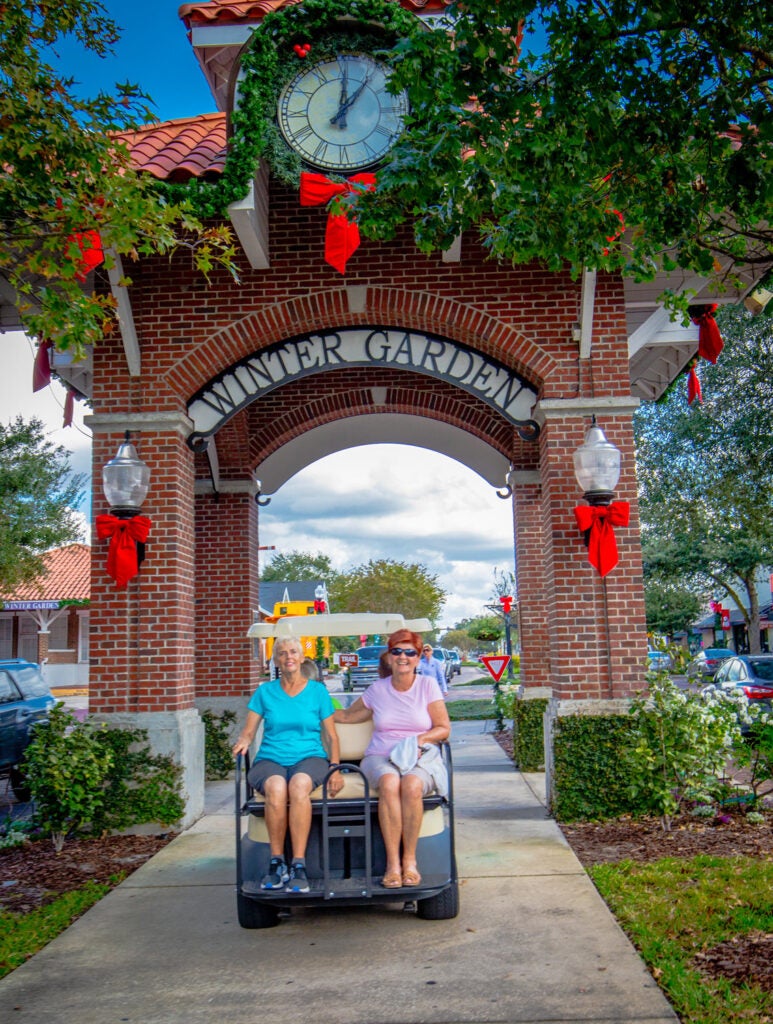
x=300 y=813
x=390 y=819
x=276 y=813
x=412 y=806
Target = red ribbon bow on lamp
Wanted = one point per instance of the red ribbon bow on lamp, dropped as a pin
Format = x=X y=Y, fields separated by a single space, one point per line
x=598 y=522
x=124 y=534
x=342 y=236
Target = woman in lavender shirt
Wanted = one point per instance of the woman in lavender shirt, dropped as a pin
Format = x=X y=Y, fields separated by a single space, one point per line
x=401 y=705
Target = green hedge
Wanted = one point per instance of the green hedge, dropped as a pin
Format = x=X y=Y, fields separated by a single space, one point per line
x=589 y=779
x=528 y=734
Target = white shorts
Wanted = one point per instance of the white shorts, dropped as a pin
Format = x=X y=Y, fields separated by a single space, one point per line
x=376 y=765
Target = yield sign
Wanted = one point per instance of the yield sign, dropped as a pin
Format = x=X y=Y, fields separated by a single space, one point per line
x=496 y=664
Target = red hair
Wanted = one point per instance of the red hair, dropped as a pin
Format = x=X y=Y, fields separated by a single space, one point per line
x=400 y=637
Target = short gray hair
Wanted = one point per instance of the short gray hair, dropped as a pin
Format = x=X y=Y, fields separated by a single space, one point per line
x=289 y=640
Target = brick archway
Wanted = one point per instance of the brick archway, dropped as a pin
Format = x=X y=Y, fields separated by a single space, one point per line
x=358 y=306
x=176 y=639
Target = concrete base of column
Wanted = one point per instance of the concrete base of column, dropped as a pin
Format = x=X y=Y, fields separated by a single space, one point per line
x=179 y=734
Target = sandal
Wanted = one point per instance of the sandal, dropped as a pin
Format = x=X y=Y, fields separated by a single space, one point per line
x=411 y=877
x=392 y=881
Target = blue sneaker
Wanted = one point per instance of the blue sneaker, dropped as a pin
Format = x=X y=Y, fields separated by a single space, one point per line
x=277 y=874
x=298 y=881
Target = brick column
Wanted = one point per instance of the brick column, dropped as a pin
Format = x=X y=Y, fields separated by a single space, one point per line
x=226 y=595
x=597 y=629
x=533 y=605
x=142 y=636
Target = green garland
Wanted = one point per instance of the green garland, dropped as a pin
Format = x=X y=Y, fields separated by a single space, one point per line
x=268 y=65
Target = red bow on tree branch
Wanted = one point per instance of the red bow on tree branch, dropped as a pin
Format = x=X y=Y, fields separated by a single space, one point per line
x=597 y=521
x=124 y=534
x=342 y=236
x=89 y=254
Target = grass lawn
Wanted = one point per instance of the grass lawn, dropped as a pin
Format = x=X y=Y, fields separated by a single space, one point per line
x=22 y=935
x=675 y=909
x=478 y=681
x=464 y=710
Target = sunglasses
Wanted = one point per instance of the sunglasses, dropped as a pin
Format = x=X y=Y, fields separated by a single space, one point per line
x=397 y=651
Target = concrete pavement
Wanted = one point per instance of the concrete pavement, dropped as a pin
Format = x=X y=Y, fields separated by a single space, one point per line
x=533 y=943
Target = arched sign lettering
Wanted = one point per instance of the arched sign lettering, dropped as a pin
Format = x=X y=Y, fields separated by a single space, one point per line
x=317 y=352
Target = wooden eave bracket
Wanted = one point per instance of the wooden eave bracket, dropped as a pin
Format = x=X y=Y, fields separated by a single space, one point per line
x=587 y=303
x=131 y=345
x=249 y=217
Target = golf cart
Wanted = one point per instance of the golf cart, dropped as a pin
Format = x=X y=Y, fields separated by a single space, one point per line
x=345 y=856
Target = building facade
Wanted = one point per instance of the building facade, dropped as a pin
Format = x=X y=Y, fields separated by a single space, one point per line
x=230 y=388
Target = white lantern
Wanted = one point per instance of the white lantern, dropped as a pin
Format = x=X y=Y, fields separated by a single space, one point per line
x=125 y=481
x=597 y=466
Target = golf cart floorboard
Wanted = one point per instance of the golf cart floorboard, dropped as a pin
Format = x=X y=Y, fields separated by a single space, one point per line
x=341 y=888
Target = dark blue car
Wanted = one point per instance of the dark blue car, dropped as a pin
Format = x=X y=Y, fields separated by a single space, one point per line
x=25 y=700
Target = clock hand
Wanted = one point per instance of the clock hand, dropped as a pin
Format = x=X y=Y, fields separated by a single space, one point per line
x=341 y=120
x=344 y=81
x=352 y=99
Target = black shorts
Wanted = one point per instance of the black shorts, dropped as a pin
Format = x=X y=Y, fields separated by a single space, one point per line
x=315 y=767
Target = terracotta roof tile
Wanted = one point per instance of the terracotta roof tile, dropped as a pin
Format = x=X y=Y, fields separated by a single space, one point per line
x=233 y=11
x=191 y=147
x=67 y=577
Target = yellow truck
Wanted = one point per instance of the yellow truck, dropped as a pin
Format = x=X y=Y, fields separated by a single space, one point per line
x=314 y=647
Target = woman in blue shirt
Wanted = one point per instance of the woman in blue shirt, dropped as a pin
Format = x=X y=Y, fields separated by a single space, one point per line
x=297 y=716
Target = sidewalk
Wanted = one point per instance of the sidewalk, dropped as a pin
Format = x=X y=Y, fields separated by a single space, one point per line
x=533 y=943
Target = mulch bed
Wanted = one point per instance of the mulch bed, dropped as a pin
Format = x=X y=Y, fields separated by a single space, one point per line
x=34 y=874
x=742 y=960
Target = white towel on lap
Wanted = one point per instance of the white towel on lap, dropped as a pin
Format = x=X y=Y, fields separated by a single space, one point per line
x=406 y=755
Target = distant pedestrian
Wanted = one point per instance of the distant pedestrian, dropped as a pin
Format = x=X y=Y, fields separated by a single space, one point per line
x=429 y=665
x=309 y=669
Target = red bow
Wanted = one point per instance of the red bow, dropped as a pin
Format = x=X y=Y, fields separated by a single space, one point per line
x=69 y=405
x=342 y=236
x=125 y=534
x=693 y=386
x=90 y=245
x=710 y=342
x=41 y=370
x=597 y=521
x=91 y=254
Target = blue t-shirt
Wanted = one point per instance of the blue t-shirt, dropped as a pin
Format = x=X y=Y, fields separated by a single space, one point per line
x=291 y=725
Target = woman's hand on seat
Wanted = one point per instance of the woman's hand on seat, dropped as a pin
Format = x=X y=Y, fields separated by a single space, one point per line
x=335 y=783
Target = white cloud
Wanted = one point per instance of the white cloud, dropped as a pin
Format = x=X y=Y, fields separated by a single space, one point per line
x=400 y=502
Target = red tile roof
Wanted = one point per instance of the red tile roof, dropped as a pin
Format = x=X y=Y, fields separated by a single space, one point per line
x=190 y=147
x=67 y=577
x=233 y=11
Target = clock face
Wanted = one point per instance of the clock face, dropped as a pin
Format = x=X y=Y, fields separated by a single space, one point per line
x=338 y=115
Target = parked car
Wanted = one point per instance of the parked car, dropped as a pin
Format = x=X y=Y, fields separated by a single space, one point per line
x=360 y=677
x=705 y=663
x=456 y=663
x=657 y=661
x=752 y=674
x=25 y=701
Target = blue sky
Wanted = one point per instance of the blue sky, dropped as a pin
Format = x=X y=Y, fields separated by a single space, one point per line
x=379 y=501
x=153 y=53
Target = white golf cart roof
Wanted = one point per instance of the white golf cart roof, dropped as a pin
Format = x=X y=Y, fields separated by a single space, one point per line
x=337 y=624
